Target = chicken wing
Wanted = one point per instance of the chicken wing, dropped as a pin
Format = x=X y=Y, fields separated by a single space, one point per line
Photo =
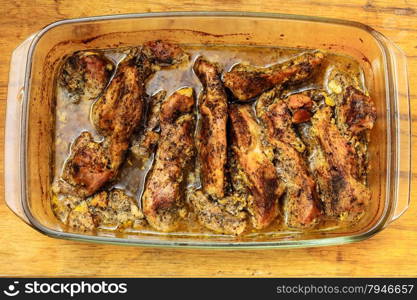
x=84 y=75
x=212 y=145
x=162 y=198
x=247 y=82
x=261 y=177
x=301 y=205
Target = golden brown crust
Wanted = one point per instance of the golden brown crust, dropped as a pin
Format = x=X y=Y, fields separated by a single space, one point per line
x=249 y=82
x=212 y=145
x=262 y=178
x=162 y=198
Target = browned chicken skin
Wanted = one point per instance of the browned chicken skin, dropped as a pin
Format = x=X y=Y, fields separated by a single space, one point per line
x=261 y=176
x=162 y=198
x=247 y=82
x=344 y=196
x=301 y=199
x=212 y=145
x=87 y=168
x=85 y=75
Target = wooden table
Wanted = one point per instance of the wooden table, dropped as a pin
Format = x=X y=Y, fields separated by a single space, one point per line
x=25 y=252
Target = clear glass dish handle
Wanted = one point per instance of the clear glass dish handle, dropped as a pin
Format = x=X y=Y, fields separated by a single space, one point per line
x=398 y=63
x=13 y=130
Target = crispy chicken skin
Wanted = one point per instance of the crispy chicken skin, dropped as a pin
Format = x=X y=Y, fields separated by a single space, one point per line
x=162 y=198
x=357 y=111
x=261 y=176
x=87 y=168
x=221 y=217
x=85 y=74
x=336 y=169
x=212 y=145
x=301 y=198
x=247 y=82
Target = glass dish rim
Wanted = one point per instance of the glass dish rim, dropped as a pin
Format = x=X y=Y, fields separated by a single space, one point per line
x=378 y=226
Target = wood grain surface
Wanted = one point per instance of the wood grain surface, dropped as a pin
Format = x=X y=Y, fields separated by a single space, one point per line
x=26 y=252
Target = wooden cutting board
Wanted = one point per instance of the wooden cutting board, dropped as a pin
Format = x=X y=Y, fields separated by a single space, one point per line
x=26 y=252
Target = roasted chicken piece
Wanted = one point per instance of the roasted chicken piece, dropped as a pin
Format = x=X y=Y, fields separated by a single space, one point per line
x=115 y=208
x=162 y=199
x=87 y=168
x=247 y=82
x=143 y=146
x=336 y=169
x=118 y=112
x=301 y=204
x=212 y=143
x=357 y=111
x=84 y=75
x=277 y=119
x=225 y=216
x=261 y=177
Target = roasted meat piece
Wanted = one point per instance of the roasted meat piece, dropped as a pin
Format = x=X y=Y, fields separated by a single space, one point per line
x=301 y=204
x=336 y=169
x=357 y=111
x=84 y=75
x=225 y=216
x=212 y=143
x=246 y=82
x=162 y=198
x=261 y=177
x=118 y=112
x=87 y=168
x=277 y=119
x=148 y=138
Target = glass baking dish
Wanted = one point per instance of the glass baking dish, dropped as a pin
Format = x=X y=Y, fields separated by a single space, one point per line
x=29 y=150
